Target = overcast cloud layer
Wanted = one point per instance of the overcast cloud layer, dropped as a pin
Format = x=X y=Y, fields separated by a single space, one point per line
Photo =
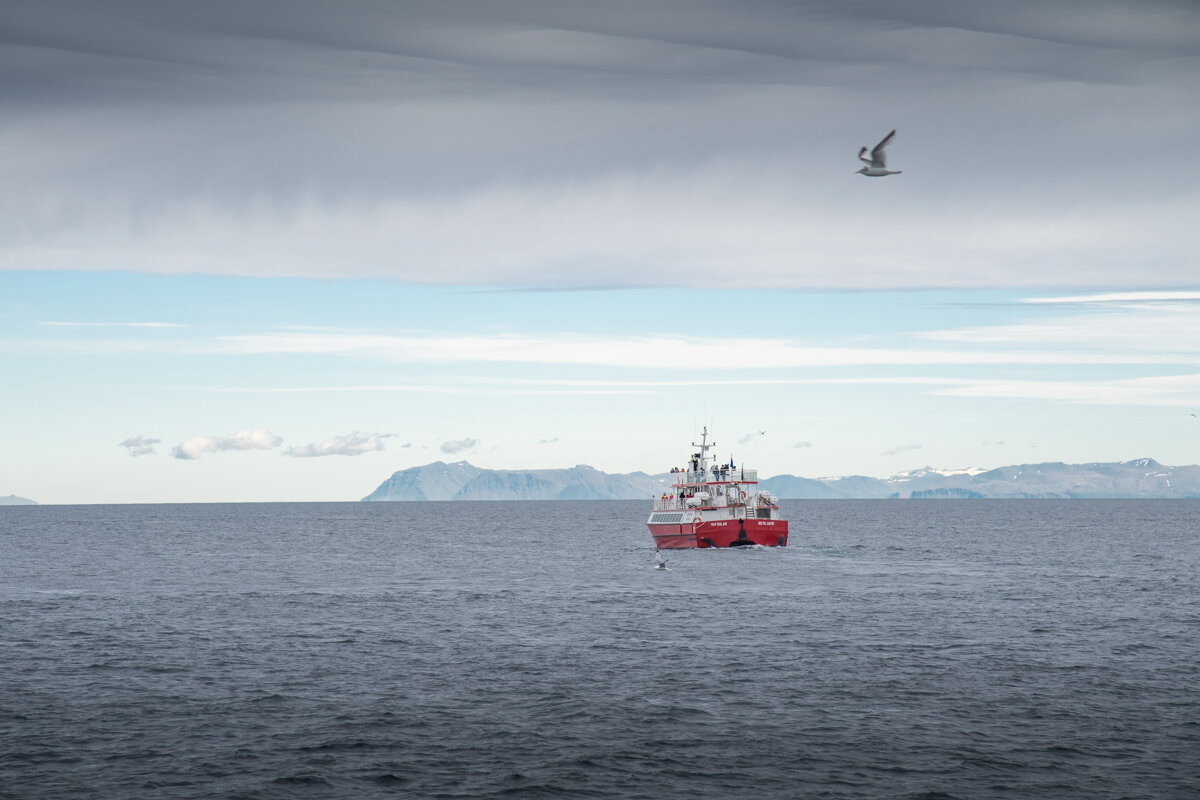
x=605 y=144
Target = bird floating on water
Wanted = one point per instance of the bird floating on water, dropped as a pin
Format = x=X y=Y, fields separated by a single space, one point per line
x=660 y=562
x=877 y=163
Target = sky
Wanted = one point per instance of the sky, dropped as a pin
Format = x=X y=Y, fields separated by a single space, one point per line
x=269 y=251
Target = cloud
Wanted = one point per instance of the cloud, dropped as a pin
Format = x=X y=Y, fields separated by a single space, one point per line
x=113 y=324
x=318 y=140
x=900 y=448
x=1117 y=325
x=1150 y=329
x=548 y=441
x=1122 y=299
x=466 y=384
x=193 y=448
x=1159 y=390
x=352 y=444
x=802 y=444
x=526 y=239
x=139 y=445
x=1142 y=337
x=459 y=446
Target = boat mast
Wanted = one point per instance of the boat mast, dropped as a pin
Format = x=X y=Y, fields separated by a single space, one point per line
x=704 y=448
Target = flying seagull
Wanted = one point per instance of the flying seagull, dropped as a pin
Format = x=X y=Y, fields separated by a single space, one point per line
x=877 y=163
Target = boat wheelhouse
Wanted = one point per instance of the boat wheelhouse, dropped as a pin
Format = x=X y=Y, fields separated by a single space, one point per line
x=716 y=505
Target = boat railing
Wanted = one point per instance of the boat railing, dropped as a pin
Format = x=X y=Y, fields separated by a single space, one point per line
x=666 y=504
x=719 y=475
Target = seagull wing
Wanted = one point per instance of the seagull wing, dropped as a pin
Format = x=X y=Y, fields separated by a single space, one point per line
x=860 y=156
x=878 y=157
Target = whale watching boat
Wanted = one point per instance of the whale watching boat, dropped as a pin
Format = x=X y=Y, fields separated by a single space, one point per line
x=716 y=505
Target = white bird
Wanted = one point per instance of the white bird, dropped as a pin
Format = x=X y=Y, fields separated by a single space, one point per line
x=877 y=163
x=661 y=563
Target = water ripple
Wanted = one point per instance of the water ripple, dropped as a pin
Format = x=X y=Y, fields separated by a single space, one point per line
x=932 y=651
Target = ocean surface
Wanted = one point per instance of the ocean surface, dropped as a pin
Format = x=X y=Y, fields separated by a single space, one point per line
x=897 y=649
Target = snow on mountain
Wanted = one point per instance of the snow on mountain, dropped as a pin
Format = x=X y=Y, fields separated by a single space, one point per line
x=1142 y=477
x=925 y=472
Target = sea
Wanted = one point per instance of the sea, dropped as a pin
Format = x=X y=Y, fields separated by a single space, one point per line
x=923 y=649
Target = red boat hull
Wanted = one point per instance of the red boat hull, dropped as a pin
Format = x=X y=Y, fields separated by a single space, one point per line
x=722 y=533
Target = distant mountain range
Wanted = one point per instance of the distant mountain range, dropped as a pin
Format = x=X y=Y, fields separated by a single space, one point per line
x=463 y=481
x=1142 y=477
x=13 y=500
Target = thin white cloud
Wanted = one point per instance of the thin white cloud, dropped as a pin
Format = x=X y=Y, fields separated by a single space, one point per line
x=548 y=441
x=802 y=445
x=741 y=353
x=1166 y=333
x=1180 y=390
x=539 y=386
x=1171 y=390
x=900 y=448
x=459 y=446
x=352 y=444
x=1117 y=298
x=196 y=446
x=139 y=445
x=113 y=324
x=1126 y=329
